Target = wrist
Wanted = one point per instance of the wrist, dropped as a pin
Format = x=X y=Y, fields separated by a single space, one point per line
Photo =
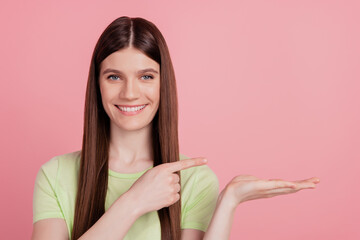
x=134 y=209
x=227 y=198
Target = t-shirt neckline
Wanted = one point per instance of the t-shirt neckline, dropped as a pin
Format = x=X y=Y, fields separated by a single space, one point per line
x=128 y=175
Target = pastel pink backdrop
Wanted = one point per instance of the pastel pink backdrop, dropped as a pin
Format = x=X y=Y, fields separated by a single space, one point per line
x=268 y=88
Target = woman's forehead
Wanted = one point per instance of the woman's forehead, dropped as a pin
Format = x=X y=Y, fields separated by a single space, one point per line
x=129 y=60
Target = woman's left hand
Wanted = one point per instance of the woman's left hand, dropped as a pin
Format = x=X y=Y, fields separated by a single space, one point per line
x=243 y=188
x=246 y=187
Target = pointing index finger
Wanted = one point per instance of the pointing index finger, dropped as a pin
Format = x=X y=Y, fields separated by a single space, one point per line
x=186 y=163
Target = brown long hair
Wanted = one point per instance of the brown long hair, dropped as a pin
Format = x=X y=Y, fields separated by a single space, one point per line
x=93 y=176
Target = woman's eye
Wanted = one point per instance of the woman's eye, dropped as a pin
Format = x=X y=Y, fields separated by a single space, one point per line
x=113 y=77
x=148 y=77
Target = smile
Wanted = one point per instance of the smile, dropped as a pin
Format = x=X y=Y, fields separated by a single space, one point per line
x=131 y=110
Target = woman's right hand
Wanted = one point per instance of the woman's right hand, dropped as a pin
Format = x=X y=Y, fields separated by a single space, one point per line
x=159 y=187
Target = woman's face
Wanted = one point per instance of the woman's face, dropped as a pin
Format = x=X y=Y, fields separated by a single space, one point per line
x=130 y=88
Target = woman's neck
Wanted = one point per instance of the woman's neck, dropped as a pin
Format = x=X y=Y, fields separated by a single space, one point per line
x=130 y=148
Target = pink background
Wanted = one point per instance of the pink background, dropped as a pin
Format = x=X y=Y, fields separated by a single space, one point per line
x=267 y=88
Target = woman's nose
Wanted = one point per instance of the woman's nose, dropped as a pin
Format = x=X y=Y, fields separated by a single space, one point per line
x=130 y=89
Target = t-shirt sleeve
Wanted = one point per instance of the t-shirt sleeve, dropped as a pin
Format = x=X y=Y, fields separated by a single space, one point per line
x=200 y=207
x=45 y=201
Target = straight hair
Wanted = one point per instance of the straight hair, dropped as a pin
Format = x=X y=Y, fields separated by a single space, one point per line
x=143 y=35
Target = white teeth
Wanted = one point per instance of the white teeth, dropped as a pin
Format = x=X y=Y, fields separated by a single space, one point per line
x=132 y=109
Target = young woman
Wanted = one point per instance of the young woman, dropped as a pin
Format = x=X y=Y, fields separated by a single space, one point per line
x=129 y=180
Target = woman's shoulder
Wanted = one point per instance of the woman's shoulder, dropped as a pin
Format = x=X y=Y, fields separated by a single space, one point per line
x=67 y=158
x=199 y=193
x=202 y=172
x=57 y=164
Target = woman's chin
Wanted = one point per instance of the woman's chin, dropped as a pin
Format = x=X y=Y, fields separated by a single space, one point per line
x=131 y=126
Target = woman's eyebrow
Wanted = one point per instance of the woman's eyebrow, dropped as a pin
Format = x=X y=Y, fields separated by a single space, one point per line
x=108 y=70
x=147 y=70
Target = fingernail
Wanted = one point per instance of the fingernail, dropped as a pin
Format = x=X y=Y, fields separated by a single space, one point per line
x=204 y=160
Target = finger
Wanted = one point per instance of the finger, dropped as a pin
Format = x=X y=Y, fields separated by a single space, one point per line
x=317 y=180
x=286 y=190
x=273 y=192
x=275 y=184
x=177 y=187
x=245 y=177
x=174 y=199
x=175 y=177
x=184 y=164
x=177 y=197
x=313 y=180
x=276 y=179
x=279 y=191
x=303 y=185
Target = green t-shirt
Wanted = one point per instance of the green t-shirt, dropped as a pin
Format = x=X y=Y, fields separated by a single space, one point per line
x=56 y=184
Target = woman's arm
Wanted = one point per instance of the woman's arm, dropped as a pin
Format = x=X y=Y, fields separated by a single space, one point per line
x=244 y=188
x=221 y=222
x=115 y=222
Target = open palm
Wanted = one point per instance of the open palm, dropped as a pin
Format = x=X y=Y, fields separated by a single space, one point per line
x=246 y=187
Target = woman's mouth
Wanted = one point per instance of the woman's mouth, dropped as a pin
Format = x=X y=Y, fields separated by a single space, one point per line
x=128 y=111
